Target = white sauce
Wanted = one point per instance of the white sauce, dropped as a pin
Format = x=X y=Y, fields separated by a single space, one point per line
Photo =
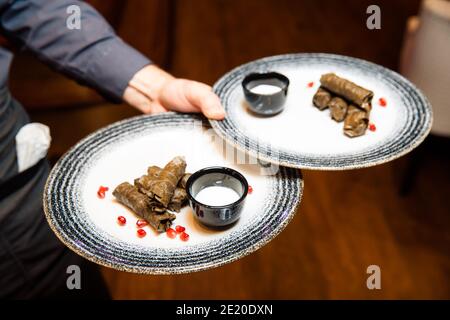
x=217 y=196
x=265 y=89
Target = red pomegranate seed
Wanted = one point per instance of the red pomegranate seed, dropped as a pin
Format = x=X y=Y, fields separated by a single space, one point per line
x=141 y=223
x=141 y=233
x=250 y=189
x=121 y=220
x=179 y=229
x=171 y=233
x=310 y=84
x=184 y=236
x=382 y=102
x=101 y=192
x=372 y=127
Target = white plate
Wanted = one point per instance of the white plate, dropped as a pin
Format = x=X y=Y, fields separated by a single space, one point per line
x=123 y=151
x=302 y=136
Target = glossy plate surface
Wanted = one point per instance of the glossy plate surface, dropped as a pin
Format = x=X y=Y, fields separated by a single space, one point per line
x=123 y=151
x=302 y=136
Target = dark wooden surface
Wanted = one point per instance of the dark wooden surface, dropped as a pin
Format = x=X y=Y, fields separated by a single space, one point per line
x=347 y=220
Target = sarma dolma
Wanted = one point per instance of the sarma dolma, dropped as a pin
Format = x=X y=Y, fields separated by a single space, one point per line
x=130 y=196
x=322 y=98
x=347 y=102
x=183 y=181
x=167 y=180
x=145 y=182
x=178 y=199
x=346 y=89
x=356 y=122
x=338 y=108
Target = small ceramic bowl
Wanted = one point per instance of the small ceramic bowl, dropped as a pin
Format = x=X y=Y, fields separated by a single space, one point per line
x=266 y=92
x=217 y=215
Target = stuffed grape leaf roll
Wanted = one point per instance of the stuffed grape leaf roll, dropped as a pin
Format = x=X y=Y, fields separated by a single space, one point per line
x=129 y=195
x=167 y=181
x=338 y=108
x=356 y=122
x=322 y=98
x=347 y=89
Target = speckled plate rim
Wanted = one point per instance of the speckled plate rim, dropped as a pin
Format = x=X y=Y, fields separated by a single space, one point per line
x=56 y=227
x=241 y=142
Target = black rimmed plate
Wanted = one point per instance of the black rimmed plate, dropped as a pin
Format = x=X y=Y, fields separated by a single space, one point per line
x=122 y=151
x=302 y=136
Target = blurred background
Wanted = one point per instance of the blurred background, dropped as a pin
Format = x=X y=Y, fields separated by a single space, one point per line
x=395 y=215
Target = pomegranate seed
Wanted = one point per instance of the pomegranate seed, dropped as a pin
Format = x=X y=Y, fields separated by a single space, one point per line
x=141 y=223
x=121 y=220
x=310 y=84
x=184 y=236
x=101 y=192
x=179 y=229
x=171 y=233
x=250 y=189
x=372 y=127
x=141 y=233
x=382 y=102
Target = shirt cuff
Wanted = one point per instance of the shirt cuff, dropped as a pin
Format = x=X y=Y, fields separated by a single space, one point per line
x=112 y=66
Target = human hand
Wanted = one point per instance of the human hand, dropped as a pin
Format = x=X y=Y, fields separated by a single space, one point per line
x=153 y=90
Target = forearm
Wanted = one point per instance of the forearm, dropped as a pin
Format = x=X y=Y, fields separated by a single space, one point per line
x=93 y=55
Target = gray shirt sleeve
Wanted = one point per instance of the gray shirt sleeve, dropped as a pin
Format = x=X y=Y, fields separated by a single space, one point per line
x=93 y=55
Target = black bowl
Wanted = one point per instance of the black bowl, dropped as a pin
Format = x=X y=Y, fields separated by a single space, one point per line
x=217 y=216
x=266 y=104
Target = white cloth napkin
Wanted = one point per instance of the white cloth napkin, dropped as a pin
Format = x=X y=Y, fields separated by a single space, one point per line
x=32 y=143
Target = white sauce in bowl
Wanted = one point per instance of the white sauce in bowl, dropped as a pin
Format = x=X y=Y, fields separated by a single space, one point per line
x=217 y=196
x=265 y=89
